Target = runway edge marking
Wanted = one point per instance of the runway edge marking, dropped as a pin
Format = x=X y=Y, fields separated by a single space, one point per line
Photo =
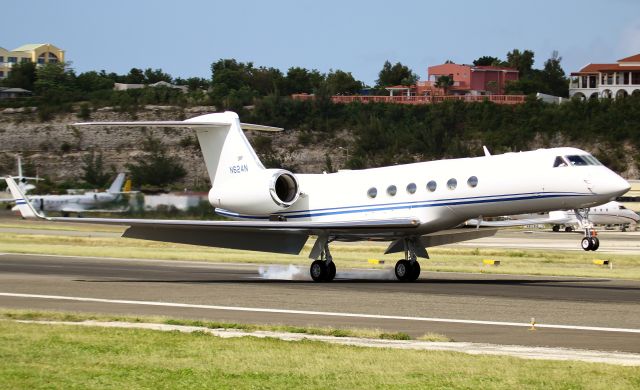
x=317 y=313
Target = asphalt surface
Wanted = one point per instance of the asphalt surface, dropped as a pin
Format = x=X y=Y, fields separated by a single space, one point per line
x=452 y=304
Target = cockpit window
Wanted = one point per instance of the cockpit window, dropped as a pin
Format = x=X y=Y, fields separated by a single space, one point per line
x=622 y=207
x=559 y=162
x=577 y=161
x=592 y=160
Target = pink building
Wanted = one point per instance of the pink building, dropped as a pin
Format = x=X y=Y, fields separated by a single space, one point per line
x=468 y=79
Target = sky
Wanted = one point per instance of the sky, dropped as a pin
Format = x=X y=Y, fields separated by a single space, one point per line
x=184 y=37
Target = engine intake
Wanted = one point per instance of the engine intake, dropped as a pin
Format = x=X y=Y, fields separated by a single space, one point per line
x=284 y=189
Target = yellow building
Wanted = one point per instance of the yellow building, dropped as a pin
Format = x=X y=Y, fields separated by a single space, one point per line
x=39 y=53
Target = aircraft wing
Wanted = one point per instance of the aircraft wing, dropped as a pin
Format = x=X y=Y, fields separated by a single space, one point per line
x=265 y=236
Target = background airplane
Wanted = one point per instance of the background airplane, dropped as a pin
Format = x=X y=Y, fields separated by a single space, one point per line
x=414 y=206
x=87 y=202
x=611 y=213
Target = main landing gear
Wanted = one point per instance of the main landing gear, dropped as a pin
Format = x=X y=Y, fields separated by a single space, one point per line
x=323 y=269
x=408 y=269
x=590 y=241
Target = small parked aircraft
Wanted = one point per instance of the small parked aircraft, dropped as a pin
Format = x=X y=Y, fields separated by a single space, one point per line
x=78 y=203
x=414 y=206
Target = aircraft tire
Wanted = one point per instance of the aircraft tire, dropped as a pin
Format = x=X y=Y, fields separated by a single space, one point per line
x=595 y=243
x=568 y=229
x=403 y=270
x=318 y=271
x=415 y=271
x=556 y=228
x=586 y=243
x=331 y=274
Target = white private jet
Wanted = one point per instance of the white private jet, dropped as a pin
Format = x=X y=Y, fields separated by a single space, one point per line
x=87 y=202
x=415 y=206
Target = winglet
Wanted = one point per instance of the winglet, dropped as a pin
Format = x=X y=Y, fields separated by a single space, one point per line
x=25 y=207
x=486 y=151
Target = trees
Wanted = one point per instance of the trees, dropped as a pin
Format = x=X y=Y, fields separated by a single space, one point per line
x=93 y=170
x=22 y=75
x=342 y=83
x=488 y=61
x=155 y=168
x=94 y=81
x=397 y=74
x=301 y=80
x=523 y=61
x=553 y=78
x=444 y=82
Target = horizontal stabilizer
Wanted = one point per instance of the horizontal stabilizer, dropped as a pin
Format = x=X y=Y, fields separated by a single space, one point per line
x=245 y=126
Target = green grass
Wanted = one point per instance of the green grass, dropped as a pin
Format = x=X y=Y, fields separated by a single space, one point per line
x=532 y=262
x=30 y=315
x=36 y=356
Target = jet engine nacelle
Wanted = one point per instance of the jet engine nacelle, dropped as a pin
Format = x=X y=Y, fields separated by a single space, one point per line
x=264 y=192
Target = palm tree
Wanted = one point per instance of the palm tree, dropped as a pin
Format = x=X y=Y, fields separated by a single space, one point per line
x=444 y=82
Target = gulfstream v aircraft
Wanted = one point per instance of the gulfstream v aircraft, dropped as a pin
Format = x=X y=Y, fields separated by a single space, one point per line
x=413 y=206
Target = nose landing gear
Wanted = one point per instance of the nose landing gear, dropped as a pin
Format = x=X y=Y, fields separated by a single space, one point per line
x=590 y=241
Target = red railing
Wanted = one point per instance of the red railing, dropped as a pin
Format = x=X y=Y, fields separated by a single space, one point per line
x=498 y=99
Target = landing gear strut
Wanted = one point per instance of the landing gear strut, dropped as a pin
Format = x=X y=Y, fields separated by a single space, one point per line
x=323 y=269
x=408 y=269
x=590 y=242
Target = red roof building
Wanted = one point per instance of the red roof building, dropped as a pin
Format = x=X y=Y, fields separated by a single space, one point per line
x=614 y=80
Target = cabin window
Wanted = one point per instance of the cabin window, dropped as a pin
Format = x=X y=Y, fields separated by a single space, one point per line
x=391 y=190
x=452 y=184
x=577 y=161
x=431 y=186
x=411 y=188
x=559 y=162
x=472 y=182
x=372 y=193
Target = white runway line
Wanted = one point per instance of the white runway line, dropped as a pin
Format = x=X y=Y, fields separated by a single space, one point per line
x=523 y=352
x=317 y=313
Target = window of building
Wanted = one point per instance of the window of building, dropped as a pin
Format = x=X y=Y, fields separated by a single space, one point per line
x=1 y=73
x=1 y=59
x=452 y=184
x=12 y=60
x=23 y=60
x=372 y=193
x=411 y=188
x=391 y=190
x=472 y=182
x=432 y=185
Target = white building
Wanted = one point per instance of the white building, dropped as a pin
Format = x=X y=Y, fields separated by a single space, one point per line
x=607 y=80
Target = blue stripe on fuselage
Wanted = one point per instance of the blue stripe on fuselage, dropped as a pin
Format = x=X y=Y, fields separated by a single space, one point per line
x=407 y=205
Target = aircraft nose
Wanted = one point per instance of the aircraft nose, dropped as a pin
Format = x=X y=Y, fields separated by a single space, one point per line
x=616 y=186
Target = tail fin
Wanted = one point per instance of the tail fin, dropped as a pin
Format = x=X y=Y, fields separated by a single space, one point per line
x=23 y=204
x=226 y=150
x=116 y=186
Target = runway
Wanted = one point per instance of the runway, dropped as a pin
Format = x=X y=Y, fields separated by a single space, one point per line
x=599 y=314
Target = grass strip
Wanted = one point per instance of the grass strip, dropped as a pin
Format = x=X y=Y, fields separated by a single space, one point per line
x=38 y=356
x=531 y=262
x=11 y=314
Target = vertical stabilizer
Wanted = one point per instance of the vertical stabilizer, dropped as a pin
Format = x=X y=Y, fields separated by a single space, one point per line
x=116 y=186
x=227 y=152
x=25 y=208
